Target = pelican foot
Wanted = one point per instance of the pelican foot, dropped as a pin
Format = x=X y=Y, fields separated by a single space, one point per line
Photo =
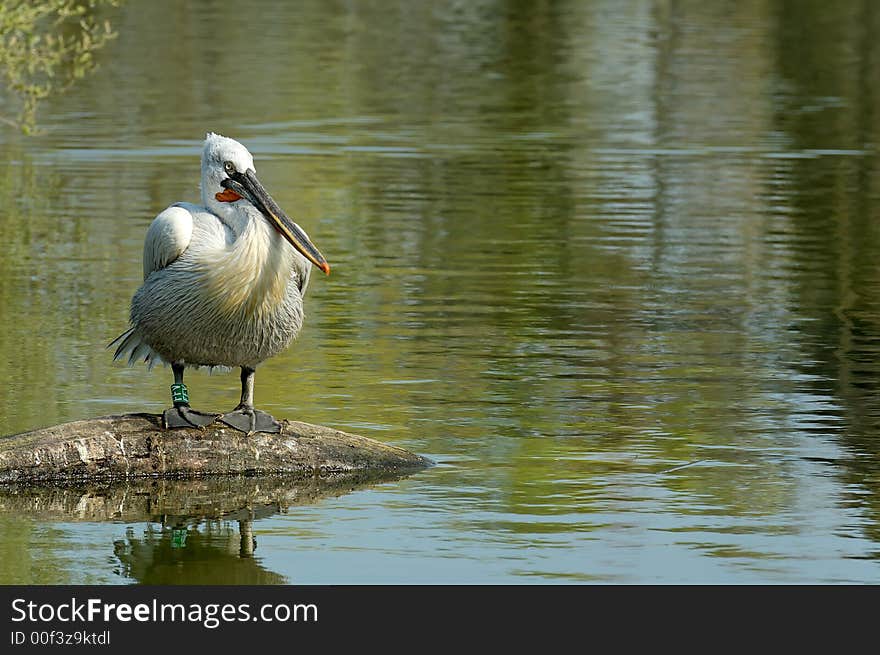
x=250 y=420
x=185 y=417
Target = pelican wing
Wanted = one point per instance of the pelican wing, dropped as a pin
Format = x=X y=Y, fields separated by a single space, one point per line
x=167 y=237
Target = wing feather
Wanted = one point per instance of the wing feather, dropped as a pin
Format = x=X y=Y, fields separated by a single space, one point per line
x=167 y=237
x=130 y=345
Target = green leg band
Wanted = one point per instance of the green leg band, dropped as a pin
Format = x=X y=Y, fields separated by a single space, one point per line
x=178 y=537
x=179 y=394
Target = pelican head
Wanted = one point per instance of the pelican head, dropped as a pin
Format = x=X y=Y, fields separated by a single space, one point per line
x=229 y=180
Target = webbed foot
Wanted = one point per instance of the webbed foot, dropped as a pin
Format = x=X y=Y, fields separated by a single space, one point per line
x=250 y=420
x=183 y=416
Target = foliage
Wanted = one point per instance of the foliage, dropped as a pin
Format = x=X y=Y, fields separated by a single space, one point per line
x=45 y=47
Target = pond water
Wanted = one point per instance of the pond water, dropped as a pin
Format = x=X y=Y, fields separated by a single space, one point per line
x=614 y=266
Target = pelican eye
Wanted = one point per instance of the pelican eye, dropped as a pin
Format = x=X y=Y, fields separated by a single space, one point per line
x=229 y=167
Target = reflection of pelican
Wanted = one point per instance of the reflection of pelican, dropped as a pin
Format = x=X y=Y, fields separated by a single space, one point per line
x=222 y=285
x=213 y=552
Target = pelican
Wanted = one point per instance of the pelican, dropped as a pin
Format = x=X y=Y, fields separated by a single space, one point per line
x=223 y=286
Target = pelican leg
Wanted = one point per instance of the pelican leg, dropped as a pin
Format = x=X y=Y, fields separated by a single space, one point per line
x=244 y=417
x=182 y=415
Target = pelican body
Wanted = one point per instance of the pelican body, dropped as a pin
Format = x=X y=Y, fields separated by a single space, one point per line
x=223 y=284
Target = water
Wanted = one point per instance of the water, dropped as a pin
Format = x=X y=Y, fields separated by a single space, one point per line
x=613 y=265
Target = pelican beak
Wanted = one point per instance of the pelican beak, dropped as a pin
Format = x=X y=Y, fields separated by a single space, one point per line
x=246 y=185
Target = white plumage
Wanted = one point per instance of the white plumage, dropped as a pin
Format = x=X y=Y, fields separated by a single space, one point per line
x=223 y=282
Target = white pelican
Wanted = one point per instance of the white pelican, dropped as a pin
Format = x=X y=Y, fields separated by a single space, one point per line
x=223 y=285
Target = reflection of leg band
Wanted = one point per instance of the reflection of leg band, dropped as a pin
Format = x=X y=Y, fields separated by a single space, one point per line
x=179 y=394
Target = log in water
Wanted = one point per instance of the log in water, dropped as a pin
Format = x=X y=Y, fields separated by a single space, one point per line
x=136 y=446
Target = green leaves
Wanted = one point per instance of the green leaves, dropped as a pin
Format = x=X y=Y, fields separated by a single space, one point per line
x=45 y=47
